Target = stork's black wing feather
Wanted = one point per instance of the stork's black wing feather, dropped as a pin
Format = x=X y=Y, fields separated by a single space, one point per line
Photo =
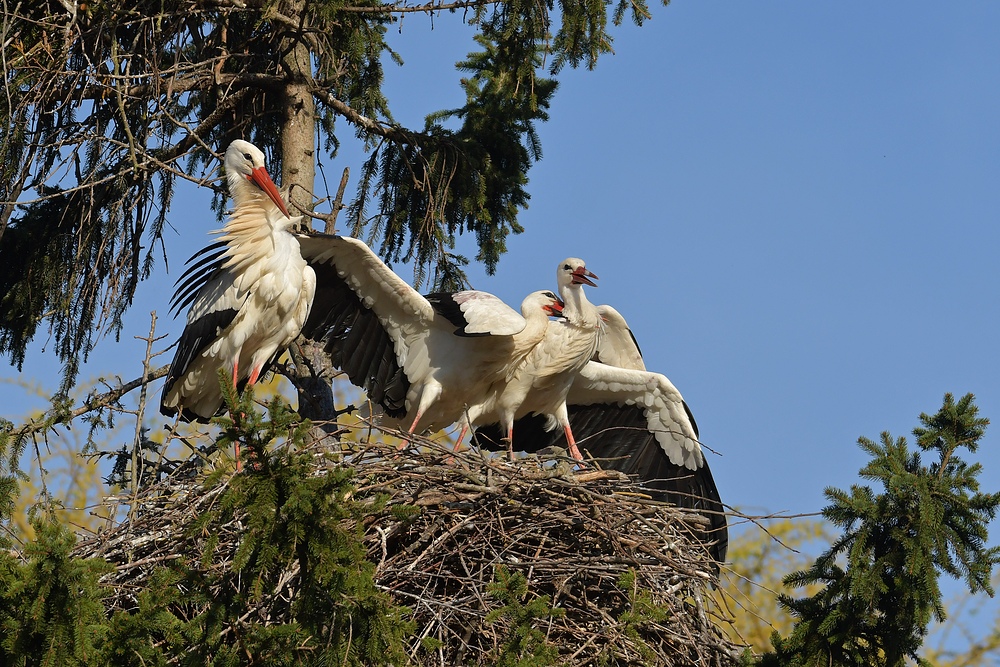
x=196 y=336
x=445 y=305
x=634 y=342
x=619 y=437
x=203 y=265
x=356 y=341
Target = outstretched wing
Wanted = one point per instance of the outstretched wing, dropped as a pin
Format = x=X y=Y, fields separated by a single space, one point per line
x=368 y=318
x=617 y=346
x=635 y=422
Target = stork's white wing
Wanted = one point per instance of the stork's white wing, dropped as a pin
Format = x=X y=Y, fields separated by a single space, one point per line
x=372 y=323
x=662 y=404
x=617 y=345
x=214 y=303
x=374 y=283
x=476 y=313
x=387 y=337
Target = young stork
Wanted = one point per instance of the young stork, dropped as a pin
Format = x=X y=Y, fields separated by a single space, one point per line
x=540 y=384
x=633 y=421
x=423 y=359
x=249 y=294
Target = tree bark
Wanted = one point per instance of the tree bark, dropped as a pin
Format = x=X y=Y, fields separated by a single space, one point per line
x=298 y=132
x=298 y=141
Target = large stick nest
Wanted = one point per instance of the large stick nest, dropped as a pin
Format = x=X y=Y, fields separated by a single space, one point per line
x=576 y=536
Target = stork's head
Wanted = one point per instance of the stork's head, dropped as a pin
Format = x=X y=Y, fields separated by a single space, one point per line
x=544 y=301
x=245 y=168
x=573 y=271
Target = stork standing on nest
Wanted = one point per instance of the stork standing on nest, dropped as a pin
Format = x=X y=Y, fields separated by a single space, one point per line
x=634 y=421
x=541 y=383
x=422 y=359
x=249 y=294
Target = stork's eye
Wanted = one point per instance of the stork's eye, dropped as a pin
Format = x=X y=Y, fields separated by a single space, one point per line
x=248 y=157
x=567 y=268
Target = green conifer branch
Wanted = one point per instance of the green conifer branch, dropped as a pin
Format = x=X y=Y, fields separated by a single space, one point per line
x=879 y=579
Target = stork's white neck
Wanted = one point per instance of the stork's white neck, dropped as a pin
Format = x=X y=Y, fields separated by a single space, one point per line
x=240 y=187
x=577 y=308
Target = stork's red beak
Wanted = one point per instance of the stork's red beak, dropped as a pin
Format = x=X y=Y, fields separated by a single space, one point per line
x=262 y=180
x=581 y=276
x=554 y=309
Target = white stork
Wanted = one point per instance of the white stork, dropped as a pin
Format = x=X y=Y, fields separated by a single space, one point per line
x=249 y=294
x=540 y=384
x=422 y=359
x=634 y=421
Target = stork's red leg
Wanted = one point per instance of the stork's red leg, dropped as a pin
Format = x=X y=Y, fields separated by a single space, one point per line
x=461 y=436
x=413 y=426
x=574 y=451
x=253 y=378
x=254 y=375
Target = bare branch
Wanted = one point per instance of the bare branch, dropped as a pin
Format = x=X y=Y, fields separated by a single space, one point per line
x=93 y=402
x=370 y=124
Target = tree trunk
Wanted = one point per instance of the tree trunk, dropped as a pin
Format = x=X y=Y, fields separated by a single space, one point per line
x=312 y=369
x=298 y=132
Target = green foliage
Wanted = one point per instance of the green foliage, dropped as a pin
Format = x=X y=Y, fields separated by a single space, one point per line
x=291 y=519
x=153 y=633
x=879 y=580
x=404 y=512
x=525 y=645
x=297 y=590
x=430 y=644
x=8 y=480
x=469 y=180
x=641 y=611
x=51 y=612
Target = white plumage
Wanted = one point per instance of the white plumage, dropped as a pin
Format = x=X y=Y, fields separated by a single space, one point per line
x=617 y=345
x=249 y=293
x=422 y=359
x=634 y=421
x=666 y=417
x=540 y=384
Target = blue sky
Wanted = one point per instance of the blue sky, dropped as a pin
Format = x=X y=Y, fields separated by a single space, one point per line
x=794 y=205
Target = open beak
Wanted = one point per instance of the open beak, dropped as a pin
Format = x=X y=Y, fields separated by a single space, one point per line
x=262 y=180
x=582 y=276
x=554 y=309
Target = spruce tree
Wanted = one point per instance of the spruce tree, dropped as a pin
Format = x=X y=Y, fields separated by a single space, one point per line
x=880 y=578
x=51 y=613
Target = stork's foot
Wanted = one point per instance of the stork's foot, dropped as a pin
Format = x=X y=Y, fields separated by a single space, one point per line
x=400 y=448
x=574 y=451
x=510 y=447
x=404 y=444
x=461 y=436
x=237 y=418
x=253 y=463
